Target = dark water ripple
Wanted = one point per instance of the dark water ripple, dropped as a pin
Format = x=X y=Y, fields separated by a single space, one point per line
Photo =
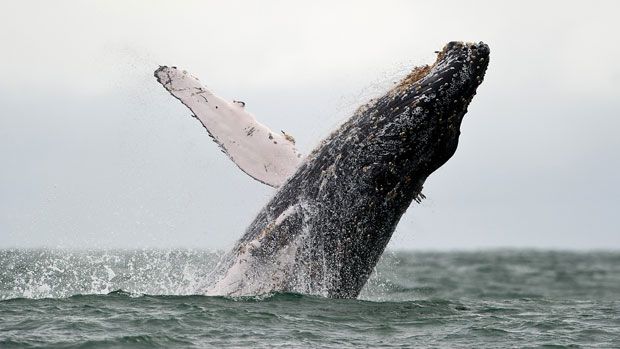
x=494 y=299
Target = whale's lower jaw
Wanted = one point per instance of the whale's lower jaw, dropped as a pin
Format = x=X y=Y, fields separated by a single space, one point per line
x=327 y=226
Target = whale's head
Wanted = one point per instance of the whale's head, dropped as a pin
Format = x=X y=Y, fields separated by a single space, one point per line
x=393 y=143
x=437 y=98
x=416 y=125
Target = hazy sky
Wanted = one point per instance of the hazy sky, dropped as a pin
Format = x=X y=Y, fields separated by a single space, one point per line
x=94 y=153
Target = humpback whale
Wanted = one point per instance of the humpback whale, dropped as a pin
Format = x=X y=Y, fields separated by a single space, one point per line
x=336 y=209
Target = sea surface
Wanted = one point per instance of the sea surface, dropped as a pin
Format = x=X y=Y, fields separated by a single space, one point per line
x=145 y=299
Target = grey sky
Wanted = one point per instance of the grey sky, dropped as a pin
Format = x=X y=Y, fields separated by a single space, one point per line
x=94 y=153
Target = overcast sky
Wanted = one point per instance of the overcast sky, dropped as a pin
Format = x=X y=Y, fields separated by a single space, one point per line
x=94 y=153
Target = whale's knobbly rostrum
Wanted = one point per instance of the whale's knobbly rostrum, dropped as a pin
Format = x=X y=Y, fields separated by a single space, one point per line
x=335 y=211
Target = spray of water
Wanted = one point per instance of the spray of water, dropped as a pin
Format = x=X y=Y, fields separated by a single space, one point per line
x=60 y=273
x=45 y=273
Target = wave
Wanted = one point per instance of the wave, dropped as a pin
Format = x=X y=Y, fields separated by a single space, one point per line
x=398 y=277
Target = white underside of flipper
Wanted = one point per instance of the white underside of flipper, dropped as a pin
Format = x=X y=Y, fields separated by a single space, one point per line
x=267 y=156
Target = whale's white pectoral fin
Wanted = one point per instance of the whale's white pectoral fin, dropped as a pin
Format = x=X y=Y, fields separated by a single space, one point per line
x=267 y=156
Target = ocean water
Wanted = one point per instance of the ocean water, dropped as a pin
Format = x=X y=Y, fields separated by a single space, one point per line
x=144 y=299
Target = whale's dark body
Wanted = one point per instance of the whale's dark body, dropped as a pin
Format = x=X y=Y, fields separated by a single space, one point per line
x=327 y=226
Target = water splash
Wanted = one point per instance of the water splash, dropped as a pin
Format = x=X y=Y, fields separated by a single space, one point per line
x=62 y=273
x=59 y=273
